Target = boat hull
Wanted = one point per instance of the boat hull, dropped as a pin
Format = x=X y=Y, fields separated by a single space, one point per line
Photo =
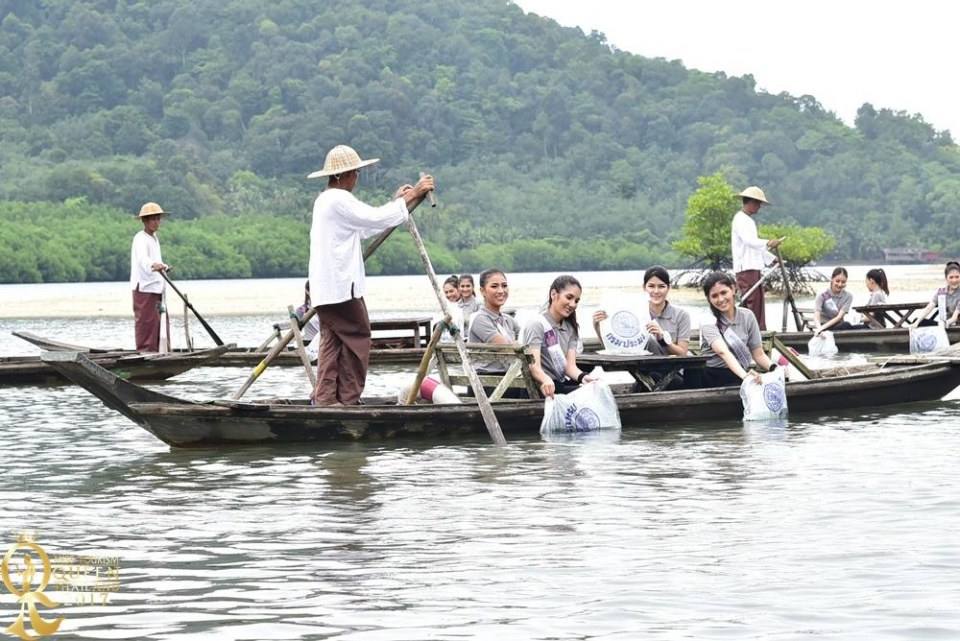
x=182 y=423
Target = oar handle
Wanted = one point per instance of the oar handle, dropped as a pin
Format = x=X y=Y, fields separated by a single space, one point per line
x=206 y=325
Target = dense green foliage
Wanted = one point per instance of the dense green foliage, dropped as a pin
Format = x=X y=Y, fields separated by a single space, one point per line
x=705 y=235
x=552 y=149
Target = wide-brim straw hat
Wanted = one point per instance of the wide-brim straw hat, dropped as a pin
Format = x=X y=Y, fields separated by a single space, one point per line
x=152 y=209
x=756 y=193
x=341 y=159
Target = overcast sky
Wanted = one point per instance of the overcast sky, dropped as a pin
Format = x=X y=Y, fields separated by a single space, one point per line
x=899 y=55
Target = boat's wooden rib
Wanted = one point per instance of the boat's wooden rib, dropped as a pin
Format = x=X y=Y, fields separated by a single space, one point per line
x=32 y=370
x=181 y=423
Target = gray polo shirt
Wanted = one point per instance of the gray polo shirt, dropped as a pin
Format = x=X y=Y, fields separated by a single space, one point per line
x=487 y=324
x=567 y=338
x=673 y=320
x=744 y=325
x=953 y=298
x=831 y=305
x=877 y=298
x=469 y=306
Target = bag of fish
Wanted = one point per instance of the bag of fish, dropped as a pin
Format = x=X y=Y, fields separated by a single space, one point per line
x=928 y=340
x=765 y=401
x=588 y=408
x=822 y=345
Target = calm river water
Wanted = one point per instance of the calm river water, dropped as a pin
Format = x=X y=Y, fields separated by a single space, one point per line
x=836 y=527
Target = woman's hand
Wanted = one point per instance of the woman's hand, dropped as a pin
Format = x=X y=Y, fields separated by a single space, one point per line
x=548 y=389
x=753 y=375
x=655 y=330
x=599 y=315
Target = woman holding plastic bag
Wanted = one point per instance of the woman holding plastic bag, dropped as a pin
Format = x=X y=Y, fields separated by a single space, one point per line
x=669 y=325
x=947 y=298
x=729 y=340
x=832 y=305
x=553 y=339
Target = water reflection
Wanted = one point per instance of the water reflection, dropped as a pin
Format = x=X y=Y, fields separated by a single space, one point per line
x=835 y=527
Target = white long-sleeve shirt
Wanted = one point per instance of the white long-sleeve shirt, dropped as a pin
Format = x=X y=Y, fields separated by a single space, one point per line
x=748 y=249
x=143 y=254
x=340 y=222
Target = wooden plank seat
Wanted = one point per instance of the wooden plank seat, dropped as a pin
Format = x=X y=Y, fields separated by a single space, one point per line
x=512 y=363
x=806 y=314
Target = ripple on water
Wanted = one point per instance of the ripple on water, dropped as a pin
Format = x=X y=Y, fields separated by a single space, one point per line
x=840 y=527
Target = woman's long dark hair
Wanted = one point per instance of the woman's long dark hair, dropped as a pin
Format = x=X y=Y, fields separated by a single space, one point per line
x=879 y=276
x=715 y=278
x=559 y=284
x=452 y=280
x=838 y=271
x=657 y=271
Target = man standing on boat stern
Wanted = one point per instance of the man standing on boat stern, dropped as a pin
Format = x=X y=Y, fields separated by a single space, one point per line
x=750 y=252
x=147 y=284
x=337 y=276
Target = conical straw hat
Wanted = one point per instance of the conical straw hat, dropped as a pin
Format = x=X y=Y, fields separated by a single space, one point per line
x=341 y=159
x=151 y=209
x=756 y=193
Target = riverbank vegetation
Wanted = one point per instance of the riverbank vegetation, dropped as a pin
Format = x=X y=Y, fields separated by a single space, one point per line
x=552 y=149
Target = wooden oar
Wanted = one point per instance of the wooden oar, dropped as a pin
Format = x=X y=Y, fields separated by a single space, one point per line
x=262 y=365
x=206 y=325
x=756 y=285
x=486 y=410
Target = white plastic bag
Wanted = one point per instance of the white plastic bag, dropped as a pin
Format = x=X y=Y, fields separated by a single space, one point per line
x=928 y=340
x=624 y=331
x=590 y=407
x=765 y=401
x=822 y=345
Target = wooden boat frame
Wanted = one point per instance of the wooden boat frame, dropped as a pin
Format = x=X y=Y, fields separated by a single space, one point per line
x=32 y=370
x=184 y=423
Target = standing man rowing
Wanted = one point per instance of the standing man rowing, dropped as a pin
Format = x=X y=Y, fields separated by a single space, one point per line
x=337 y=275
x=147 y=283
x=750 y=252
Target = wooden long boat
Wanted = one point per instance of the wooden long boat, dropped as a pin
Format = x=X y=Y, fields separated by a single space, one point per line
x=183 y=423
x=887 y=341
x=32 y=370
x=383 y=352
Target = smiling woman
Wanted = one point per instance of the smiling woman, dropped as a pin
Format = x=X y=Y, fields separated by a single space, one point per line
x=553 y=340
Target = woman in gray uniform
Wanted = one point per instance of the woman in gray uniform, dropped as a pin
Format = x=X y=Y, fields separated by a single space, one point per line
x=669 y=325
x=832 y=305
x=553 y=340
x=729 y=340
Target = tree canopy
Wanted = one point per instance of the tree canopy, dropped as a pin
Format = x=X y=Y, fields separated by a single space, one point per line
x=549 y=145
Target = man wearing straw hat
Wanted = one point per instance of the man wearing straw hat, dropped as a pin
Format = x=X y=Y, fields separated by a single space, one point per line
x=750 y=252
x=147 y=284
x=337 y=276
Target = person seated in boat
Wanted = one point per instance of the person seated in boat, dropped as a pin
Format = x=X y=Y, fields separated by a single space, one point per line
x=879 y=290
x=830 y=307
x=729 y=339
x=669 y=325
x=451 y=289
x=553 y=339
x=468 y=301
x=489 y=324
x=951 y=297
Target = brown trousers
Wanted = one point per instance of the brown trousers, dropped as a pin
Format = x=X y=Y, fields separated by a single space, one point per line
x=344 y=352
x=746 y=280
x=146 y=320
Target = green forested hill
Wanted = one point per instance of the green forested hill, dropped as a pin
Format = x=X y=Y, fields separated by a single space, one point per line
x=550 y=147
